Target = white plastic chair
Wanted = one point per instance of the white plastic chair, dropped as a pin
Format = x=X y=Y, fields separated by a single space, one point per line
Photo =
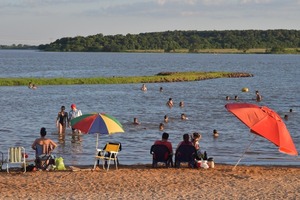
x=16 y=155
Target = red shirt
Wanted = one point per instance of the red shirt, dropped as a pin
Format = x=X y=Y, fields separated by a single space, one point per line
x=166 y=143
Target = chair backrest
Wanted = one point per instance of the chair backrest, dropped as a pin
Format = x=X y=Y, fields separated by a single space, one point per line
x=185 y=153
x=16 y=154
x=112 y=147
x=42 y=149
x=160 y=152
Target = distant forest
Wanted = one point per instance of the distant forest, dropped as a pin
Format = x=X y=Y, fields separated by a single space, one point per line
x=172 y=41
x=271 y=41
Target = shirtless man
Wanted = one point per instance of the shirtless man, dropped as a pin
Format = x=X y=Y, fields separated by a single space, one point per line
x=44 y=141
x=170 y=103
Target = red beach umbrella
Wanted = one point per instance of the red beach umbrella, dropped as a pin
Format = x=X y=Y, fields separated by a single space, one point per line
x=266 y=123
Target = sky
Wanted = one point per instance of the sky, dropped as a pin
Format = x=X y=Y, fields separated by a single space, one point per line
x=35 y=22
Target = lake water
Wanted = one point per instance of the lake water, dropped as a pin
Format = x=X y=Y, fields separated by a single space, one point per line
x=25 y=111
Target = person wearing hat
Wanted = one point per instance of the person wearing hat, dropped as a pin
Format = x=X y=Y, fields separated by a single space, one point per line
x=74 y=112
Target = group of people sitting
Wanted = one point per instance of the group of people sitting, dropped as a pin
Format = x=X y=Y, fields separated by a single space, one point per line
x=188 y=140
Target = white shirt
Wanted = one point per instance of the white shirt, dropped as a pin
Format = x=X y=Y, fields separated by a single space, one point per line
x=74 y=113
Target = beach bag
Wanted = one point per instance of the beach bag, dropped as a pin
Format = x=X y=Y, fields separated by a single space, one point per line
x=59 y=164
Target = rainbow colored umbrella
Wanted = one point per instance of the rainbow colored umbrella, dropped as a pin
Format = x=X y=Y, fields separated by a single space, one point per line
x=99 y=123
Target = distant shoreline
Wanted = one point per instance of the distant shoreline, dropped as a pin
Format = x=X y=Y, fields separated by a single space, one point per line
x=198 y=51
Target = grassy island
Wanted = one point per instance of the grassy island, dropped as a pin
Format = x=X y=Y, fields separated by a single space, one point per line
x=158 y=78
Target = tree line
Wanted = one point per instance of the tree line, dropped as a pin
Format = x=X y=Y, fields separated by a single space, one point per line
x=172 y=41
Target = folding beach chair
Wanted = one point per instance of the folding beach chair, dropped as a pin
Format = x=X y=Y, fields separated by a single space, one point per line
x=16 y=155
x=185 y=153
x=43 y=157
x=161 y=153
x=108 y=154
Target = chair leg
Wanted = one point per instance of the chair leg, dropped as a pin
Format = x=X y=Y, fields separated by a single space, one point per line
x=95 y=164
x=108 y=165
x=154 y=163
x=116 y=162
x=177 y=164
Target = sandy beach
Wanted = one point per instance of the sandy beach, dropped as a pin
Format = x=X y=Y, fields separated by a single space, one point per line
x=145 y=182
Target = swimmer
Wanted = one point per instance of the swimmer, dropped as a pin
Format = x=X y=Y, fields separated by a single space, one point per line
x=144 y=88
x=161 y=126
x=258 y=96
x=161 y=89
x=236 y=97
x=183 y=116
x=286 y=117
x=166 y=119
x=34 y=87
x=135 y=121
x=30 y=85
x=227 y=98
x=181 y=104
x=215 y=133
x=170 y=103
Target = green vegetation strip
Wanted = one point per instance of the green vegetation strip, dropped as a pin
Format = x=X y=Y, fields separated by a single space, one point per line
x=158 y=78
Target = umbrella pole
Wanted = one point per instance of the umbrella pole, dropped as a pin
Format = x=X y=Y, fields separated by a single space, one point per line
x=244 y=152
x=97 y=141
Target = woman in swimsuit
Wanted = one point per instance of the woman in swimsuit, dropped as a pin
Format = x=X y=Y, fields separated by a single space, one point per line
x=62 y=120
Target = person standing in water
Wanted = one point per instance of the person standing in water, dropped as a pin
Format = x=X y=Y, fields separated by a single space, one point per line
x=258 y=96
x=62 y=120
x=170 y=103
x=74 y=112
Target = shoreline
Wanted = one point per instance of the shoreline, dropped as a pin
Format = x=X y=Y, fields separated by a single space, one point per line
x=145 y=182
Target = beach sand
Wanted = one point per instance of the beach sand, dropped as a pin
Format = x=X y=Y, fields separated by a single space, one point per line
x=145 y=182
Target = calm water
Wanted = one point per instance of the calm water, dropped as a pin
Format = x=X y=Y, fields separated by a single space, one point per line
x=25 y=111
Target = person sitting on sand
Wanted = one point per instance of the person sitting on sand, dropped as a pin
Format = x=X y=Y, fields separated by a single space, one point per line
x=195 y=138
x=135 y=121
x=215 y=133
x=164 y=141
x=170 y=103
x=44 y=141
x=47 y=145
x=144 y=88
